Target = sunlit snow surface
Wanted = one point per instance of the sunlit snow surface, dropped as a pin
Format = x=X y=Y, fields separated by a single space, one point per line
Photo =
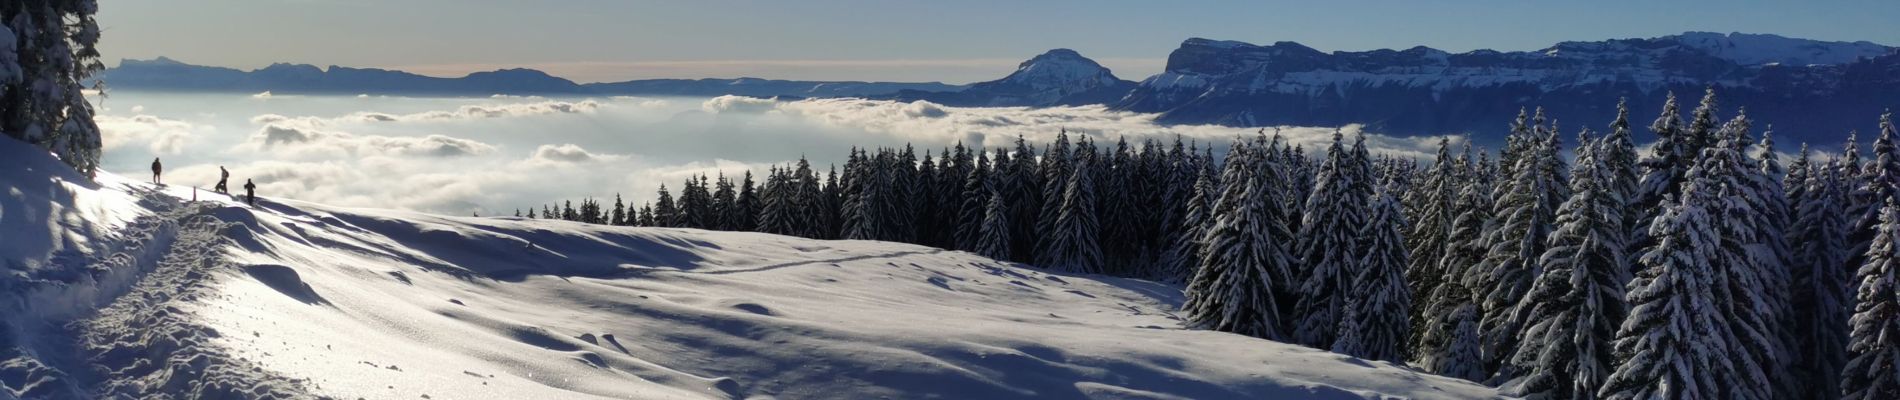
x=389 y=304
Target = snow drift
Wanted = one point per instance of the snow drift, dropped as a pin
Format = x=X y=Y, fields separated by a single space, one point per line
x=124 y=288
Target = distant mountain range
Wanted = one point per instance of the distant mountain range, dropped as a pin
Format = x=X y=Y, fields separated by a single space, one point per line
x=1812 y=89
x=171 y=75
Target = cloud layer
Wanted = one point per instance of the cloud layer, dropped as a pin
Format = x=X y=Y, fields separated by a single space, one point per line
x=493 y=155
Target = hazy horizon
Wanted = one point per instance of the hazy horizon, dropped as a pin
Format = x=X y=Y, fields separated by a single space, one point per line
x=854 y=40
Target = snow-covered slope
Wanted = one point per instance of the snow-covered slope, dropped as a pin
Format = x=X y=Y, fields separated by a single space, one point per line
x=289 y=297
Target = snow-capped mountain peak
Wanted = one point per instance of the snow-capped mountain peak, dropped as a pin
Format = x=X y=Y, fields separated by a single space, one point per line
x=1759 y=49
x=1061 y=68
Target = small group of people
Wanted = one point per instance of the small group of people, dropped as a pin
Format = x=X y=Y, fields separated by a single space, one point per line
x=224 y=176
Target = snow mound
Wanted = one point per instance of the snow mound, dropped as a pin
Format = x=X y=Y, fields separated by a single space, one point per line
x=289 y=298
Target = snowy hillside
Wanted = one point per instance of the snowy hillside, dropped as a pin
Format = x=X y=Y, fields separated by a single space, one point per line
x=289 y=297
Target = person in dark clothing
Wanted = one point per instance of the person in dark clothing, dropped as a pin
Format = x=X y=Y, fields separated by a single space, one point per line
x=223 y=176
x=157 y=169
x=250 y=192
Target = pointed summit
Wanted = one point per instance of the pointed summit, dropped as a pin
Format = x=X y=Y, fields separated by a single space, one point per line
x=1057 y=77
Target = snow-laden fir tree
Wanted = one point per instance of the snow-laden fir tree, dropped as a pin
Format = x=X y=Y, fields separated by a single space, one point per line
x=1024 y=191
x=746 y=206
x=1184 y=255
x=1072 y=240
x=1873 y=372
x=1876 y=183
x=865 y=212
x=976 y=198
x=724 y=205
x=1122 y=211
x=1377 y=318
x=1431 y=216
x=1575 y=303
x=1617 y=153
x=48 y=50
x=646 y=215
x=1245 y=260
x=805 y=202
x=1056 y=165
x=1663 y=168
x=1525 y=213
x=1820 y=291
x=1673 y=344
x=619 y=216
x=773 y=205
x=665 y=212
x=993 y=240
x=1747 y=289
x=1439 y=346
x=1329 y=244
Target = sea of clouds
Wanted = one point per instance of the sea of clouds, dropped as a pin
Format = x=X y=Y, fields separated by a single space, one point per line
x=493 y=155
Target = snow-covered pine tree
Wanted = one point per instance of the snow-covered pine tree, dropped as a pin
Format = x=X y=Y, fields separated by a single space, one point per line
x=725 y=210
x=1672 y=345
x=746 y=206
x=1663 y=169
x=646 y=215
x=1184 y=255
x=1821 y=288
x=993 y=240
x=1431 y=201
x=1329 y=242
x=805 y=203
x=1747 y=288
x=903 y=205
x=1525 y=212
x=1118 y=212
x=1376 y=320
x=976 y=197
x=1617 y=153
x=619 y=216
x=773 y=205
x=1025 y=199
x=1072 y=242
x=1873 y=372
x=1439 y=344
x=49 y=51
x=1245 y=262
x=1876 y=182
x=695 y=204
x=1575 y=303
x=1056 y=165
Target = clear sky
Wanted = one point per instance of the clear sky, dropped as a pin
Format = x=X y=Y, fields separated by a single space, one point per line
x=903 y=40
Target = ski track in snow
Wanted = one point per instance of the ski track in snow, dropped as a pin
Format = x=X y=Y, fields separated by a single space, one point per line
x=288 y=299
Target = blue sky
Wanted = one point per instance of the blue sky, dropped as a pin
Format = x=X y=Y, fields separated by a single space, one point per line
x=950 y=41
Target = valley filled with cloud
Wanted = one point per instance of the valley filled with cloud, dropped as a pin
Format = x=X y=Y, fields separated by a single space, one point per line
x=493 y=155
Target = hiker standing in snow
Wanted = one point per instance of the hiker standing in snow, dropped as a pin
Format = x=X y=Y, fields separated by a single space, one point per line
x=157 y=169
x=250 y=192
x=223 y=175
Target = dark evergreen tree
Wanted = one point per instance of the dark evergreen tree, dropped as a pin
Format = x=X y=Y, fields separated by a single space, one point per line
x=993 y=240
x=619 y=217
x=1072 y=242
x=976 y=198
x=725 y=209
x=1821 y=286
x=745 y=206
x=665 y=213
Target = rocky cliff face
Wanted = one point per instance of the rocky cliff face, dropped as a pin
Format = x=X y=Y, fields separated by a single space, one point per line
x=1810 y=88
